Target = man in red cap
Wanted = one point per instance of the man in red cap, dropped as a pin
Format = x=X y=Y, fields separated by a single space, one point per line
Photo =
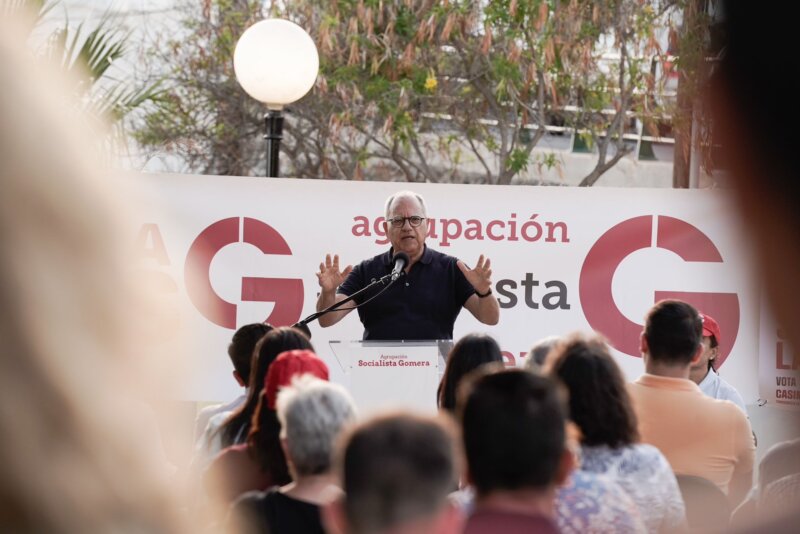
x=704 y=371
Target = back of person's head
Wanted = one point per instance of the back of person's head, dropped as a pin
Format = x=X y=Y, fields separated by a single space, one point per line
x=469 y=353
x=242 y=345
x=755 y=130
x=268 y=348
x=278 y=340
x=287 y=366
x=513 y=424
x=312 y=413
x=673 y=331
x=396 y=469
x=263 y=439
x=752 y=65
x=598 y=398
x=538 y=353
x=74 y=349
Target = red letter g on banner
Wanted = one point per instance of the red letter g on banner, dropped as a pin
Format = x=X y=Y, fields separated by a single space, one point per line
x=287 y=294
x=627 y=237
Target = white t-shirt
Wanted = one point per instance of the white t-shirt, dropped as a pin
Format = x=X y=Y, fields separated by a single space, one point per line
x=205 y=415
x=715 y=387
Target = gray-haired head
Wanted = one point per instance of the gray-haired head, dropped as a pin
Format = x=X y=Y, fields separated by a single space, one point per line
x=538 y=353
x=405 y=195
x=312 y=413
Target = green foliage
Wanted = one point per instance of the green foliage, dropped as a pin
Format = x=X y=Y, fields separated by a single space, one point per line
x=417 y=89
x=518 y=160
x=88 y=55
x=548 y=160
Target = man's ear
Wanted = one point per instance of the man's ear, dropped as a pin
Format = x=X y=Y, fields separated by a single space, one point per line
x=285 y=448
x=698 y=353
x=334 y=518
x=566 y=465
x=467 y=478
x=712 y=358
x=643 y=348
x=239 y=379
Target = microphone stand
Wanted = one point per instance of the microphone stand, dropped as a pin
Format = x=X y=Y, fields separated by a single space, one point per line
x=391 y=278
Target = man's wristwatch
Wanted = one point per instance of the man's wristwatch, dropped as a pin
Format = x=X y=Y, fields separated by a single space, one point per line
x=483 y=295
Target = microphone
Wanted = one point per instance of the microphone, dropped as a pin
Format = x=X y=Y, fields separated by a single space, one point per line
x=400 y=260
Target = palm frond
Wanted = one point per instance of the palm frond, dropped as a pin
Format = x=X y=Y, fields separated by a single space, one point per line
x=87 y=55
x=39 y=7
x=102 y=47
x=119 y=100
x=36 y=9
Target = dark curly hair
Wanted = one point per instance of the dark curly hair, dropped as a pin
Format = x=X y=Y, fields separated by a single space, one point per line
x=598 y=398
x=469 y=353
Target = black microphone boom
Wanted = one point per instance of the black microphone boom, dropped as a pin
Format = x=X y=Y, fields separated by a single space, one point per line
x=399 y=262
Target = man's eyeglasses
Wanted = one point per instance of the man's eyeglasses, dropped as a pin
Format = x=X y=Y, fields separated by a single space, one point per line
x=399 y=222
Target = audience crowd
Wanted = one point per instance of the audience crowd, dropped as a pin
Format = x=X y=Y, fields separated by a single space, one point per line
x=560 y=444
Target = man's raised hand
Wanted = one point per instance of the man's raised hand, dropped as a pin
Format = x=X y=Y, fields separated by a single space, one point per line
x=329 y=275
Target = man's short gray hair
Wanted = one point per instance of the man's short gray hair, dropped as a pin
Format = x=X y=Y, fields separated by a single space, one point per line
x=312 y=413
x=405 y=194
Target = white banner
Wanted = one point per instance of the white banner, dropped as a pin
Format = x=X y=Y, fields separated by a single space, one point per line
x=777 y=368
x=229 y=251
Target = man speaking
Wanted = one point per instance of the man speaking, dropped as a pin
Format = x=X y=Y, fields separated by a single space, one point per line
x=425 y=302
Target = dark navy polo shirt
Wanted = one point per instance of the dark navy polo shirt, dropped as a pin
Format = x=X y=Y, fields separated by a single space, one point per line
x=422 y=305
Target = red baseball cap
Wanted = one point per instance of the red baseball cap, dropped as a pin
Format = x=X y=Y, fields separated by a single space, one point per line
x=710 y=327
x=288 y=365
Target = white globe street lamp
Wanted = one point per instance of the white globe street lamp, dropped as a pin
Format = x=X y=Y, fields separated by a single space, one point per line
x=276 y=62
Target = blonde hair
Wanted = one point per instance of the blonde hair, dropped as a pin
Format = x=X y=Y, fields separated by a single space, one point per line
x=70 y=459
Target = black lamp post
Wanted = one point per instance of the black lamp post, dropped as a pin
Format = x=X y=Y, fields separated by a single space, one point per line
x=273 y=133
x=276 y=62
